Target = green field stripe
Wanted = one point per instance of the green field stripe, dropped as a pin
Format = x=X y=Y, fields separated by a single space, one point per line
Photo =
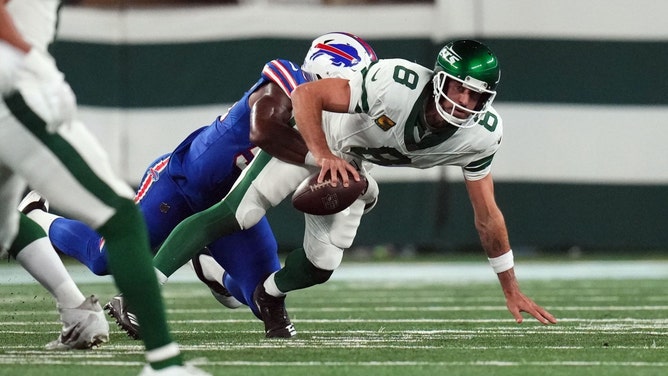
x=386 y=335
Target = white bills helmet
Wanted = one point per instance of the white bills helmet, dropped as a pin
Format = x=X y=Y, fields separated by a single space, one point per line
x=337 y=54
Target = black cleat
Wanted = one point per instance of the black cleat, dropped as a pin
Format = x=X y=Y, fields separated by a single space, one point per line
x=272 y=311
x=126 y=320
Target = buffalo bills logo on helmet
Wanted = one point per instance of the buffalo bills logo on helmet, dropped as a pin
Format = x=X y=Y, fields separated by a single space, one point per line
x=341 y=55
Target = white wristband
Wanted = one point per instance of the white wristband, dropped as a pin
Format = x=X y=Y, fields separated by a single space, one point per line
x=502 y=263
x=310 y=160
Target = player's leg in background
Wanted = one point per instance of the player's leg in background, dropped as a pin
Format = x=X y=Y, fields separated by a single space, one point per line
x=84 y=323
x=70 y=237
x=80 y=182
x=248 y=257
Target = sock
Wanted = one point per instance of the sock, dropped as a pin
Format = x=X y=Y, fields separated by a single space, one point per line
x=271 y=288
x=43 y=263
x=299 y=273
x=42 y=218
x=162 y=279
x=156 y=357
x=211 y=269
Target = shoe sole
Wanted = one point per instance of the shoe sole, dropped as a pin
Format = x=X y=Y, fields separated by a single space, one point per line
x=287 y=332
x=130 y=331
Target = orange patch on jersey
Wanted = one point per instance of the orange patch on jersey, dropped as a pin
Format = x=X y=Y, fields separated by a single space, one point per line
x=385 y=122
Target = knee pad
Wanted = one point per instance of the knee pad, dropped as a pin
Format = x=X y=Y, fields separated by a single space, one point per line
x=326 y=257
x=252 y=208
x=344 y=225
x=327 y=236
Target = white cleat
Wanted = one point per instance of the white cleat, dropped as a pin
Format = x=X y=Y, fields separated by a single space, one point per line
x=84 y=327
x=185 y=370
x=33 y=201
x=202 y=262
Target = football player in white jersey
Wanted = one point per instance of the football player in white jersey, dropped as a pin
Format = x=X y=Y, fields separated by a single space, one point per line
x=42 y=144
x=404 y=115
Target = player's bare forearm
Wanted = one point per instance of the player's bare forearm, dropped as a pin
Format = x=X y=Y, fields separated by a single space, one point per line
x=270 y=128
x=489 y=220
x=308 y=104
x=493 y=234
x=309 y=101
x=282 y=142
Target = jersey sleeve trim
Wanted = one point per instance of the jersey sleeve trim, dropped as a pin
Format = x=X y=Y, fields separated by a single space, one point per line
x=285 y=74
x=480 y=164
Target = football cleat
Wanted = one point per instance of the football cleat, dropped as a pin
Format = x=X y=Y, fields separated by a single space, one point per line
x=273 y=313
x=84 y=327
x=204 y=260
x=126 y=320
x=33 y=201
x=185 y=370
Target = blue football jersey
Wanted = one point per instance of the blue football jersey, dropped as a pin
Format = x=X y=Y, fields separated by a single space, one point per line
x=209 y=160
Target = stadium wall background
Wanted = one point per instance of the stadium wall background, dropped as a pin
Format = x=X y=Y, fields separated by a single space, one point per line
x=583 y=97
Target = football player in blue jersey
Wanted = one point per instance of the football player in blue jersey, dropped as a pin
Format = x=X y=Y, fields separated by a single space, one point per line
x=202 y=169
x=394 y=113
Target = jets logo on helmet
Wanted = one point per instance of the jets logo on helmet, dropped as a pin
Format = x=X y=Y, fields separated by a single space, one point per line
x=475 y=67
x=337 y=55
x=449 y=55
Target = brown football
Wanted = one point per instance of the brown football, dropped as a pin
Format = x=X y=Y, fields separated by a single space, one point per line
x=322 y=199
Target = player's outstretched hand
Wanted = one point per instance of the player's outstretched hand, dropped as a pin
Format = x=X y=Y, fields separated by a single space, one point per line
x=518 y=303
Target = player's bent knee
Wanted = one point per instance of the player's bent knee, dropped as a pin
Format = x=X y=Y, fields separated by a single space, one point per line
x=344 y=226
x=324 y=256
x=251 y=209
x=250 y=218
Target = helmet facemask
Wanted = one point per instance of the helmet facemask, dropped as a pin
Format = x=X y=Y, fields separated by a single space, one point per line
x=441 y=82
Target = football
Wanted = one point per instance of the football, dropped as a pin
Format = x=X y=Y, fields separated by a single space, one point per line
x=316 y=198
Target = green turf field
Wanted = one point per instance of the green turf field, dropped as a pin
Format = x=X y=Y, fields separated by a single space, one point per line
x=416 y=326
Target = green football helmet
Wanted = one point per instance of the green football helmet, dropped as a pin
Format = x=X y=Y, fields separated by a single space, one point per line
x=476 y=67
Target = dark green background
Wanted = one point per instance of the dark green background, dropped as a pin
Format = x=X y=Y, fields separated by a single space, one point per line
x=540 y=216
x=548 y=71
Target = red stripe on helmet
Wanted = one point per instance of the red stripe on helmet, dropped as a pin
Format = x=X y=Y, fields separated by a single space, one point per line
x=335 y=50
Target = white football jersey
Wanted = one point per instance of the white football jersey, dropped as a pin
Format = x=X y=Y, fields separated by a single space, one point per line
x=389 y=131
